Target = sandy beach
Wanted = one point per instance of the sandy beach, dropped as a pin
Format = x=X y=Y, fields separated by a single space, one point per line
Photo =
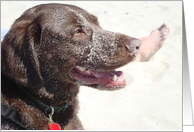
x=152 y=98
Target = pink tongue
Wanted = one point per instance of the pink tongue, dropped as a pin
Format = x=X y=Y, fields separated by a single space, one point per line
x=108 y=75
x=103 y=74
x=103 y=77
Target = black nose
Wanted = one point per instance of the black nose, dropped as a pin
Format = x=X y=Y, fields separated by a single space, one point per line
x=133 y=46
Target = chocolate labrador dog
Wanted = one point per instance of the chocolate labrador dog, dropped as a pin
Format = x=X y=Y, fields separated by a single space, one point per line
x=50 y=51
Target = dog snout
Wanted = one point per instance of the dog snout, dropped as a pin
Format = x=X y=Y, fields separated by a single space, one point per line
x=133 y=46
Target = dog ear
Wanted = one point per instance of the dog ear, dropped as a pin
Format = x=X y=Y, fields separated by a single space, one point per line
x=19 y=59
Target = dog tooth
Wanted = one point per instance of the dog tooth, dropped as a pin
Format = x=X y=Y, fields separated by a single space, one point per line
x=81 y=68
x=88 y=71
x=121 y=79
x=114 y=78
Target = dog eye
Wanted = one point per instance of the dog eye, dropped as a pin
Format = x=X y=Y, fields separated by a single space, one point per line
x=77 y=32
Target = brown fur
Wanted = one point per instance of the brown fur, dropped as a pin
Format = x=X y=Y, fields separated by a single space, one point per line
x=37 y=53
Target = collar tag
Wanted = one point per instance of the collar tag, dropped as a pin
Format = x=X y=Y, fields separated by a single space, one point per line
x=52 y=124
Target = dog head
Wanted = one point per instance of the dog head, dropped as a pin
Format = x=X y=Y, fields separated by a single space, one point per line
x=55 y=48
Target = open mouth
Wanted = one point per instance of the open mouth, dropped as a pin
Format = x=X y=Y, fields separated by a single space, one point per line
x=110 y=79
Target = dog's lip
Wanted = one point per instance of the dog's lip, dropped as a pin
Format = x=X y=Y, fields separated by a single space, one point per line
x=107 y=79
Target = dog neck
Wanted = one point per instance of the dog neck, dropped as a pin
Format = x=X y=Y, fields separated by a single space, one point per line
x=44 y=107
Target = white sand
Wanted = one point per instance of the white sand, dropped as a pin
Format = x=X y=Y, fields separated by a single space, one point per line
x=153 y=95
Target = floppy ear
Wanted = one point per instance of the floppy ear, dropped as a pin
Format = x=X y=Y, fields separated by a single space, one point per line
x=19 y=59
